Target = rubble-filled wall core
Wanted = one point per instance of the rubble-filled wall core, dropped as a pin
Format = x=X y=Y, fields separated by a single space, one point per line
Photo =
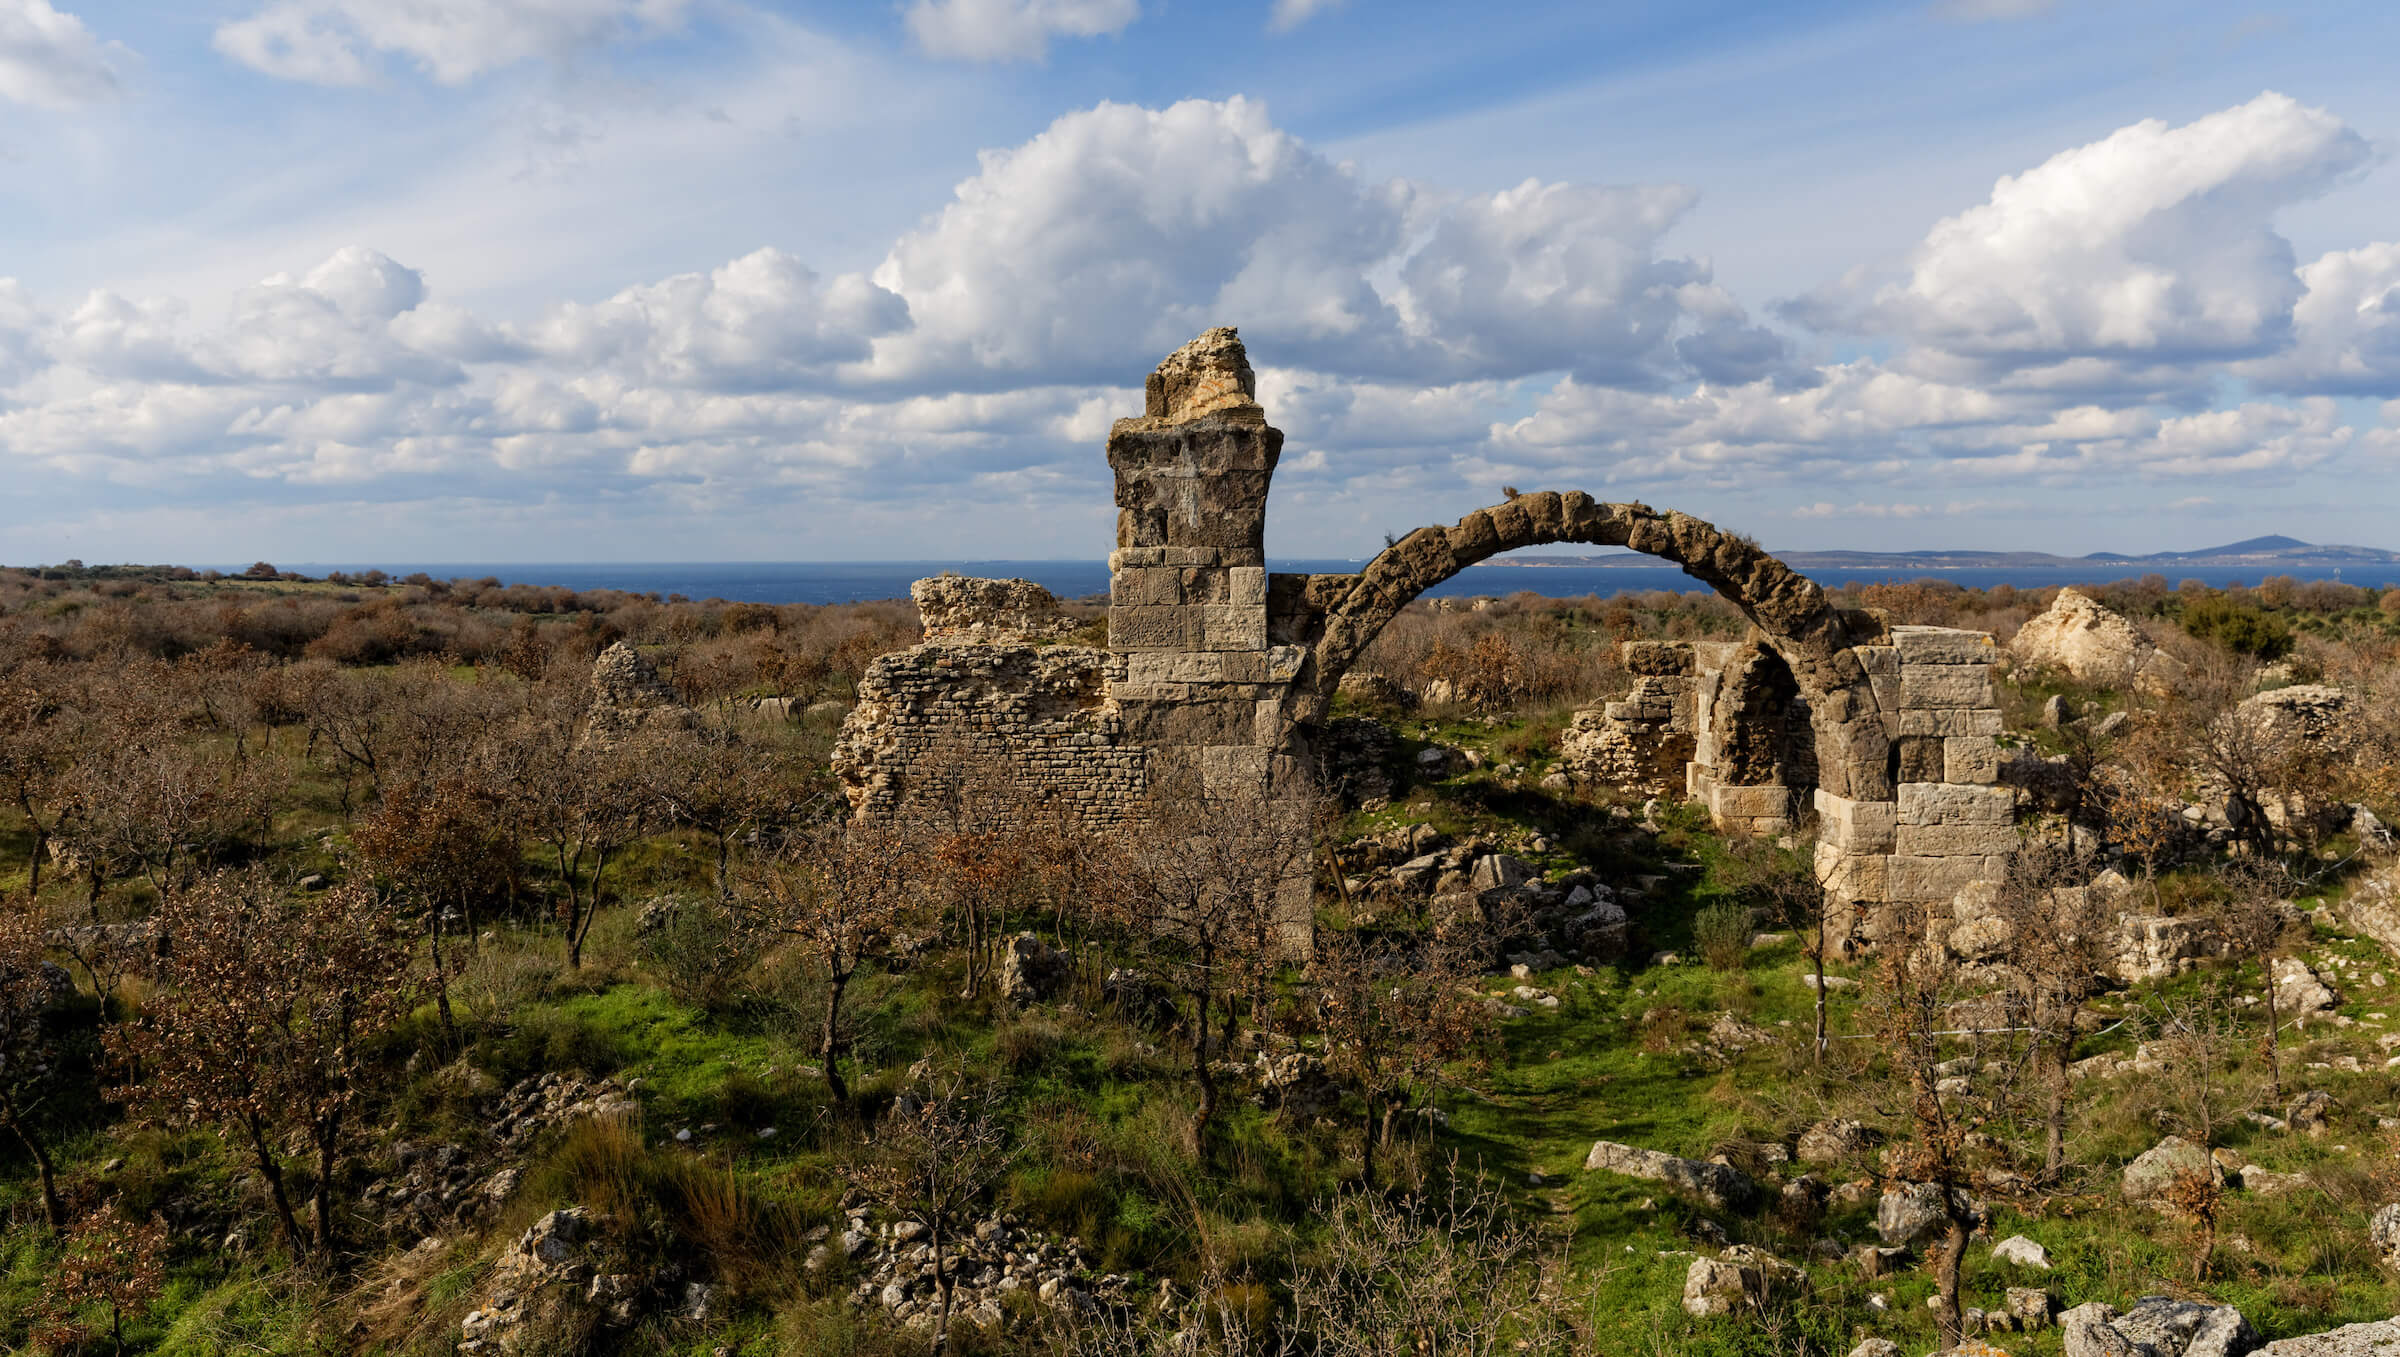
x=1219 y=674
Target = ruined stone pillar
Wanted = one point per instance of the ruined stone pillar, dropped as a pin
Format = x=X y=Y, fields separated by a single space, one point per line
x=1188 y=580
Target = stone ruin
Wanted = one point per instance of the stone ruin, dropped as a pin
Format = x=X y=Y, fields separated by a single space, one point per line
x=1220 y=674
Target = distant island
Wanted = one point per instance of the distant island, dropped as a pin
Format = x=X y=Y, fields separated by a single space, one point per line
x=2257 y=552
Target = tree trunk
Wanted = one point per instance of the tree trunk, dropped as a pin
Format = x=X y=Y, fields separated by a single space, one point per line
x=441 y=976
x=1366 y=1145
x=1207 y=1110
x=941 y=1291
x=1947 y=1320
x=328 y=1137
x=829 y=1044
x=41 y=1162
x=2274 y=1031
x=2062 y=1078
x=1820 y=965
x=273 y=1173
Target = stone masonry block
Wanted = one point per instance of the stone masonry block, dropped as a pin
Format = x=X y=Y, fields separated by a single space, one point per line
x=1749 y=802
x=1947 y=803
x=1656 y=658
x=1928 y=687
x=1149 y=628
x=1886 y=688
x=1145 y=587
x=1234 y=769
x=1134 y=558
x=1930 y=878
x=1191 y=556
x=1855 y=876
x=1248 y=585
x=1878 y=661
x=1860 y=826
x=1921 y=759
x=1970 y=758
x=1967 y=841
x=1943 y=645
x=1231 y=627
x=1970 y=721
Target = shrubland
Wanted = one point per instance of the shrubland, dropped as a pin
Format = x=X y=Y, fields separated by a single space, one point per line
x=354 y=997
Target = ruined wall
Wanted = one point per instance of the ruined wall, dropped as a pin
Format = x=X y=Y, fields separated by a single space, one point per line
x=1950 y=823
x=981 y=700
x=1219 y=675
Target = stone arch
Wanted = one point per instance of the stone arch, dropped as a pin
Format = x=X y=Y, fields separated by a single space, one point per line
x=1816 y=640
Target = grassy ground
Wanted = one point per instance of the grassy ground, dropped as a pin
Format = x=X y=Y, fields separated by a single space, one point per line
x=1097 y=1108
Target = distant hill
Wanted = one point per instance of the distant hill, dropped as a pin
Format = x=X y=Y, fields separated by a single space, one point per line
x=2256 y=552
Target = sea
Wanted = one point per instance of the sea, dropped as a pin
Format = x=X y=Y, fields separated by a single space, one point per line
x=863 y=581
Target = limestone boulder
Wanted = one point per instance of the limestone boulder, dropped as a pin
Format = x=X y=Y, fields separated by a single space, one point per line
x=2311 y=1114
x=2383 y=1233
x=2182 y=1328
x=1720 y=1185
x=1742 y=1279
x=2371 y=907
x=1031 y=969
x=1834 y=1140
x=1876 y=1347
x=2154 y=1172
x=2080 y=637
x=2379 y=1339
x=2157 y=946
x=2300 y=991
x=1911 y=1214
x=2022 y=1252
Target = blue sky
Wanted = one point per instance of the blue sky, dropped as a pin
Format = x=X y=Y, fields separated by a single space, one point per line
x=697 y=279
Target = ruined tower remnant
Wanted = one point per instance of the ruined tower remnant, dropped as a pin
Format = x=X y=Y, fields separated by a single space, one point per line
x=1219 y=675
x=1187 y=601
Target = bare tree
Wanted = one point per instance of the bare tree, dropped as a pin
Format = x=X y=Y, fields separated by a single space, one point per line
x=585 y=803
x=1397 y=1014
x=931 y=1160
x=29 y=1049
x=1208 y=874
x=1442 y=1272
x=839 y=891
x=2195 y=1037
x=35 y=750
x=1919 y=985
x=109 y=1260
x=434 y=847
x=263 y=1024
x=2061 y=937
x=2255 y=923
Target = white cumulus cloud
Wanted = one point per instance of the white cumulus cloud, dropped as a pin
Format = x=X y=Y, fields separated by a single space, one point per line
x=1130 y=229
x=333 y=42
x=1012 y=30
x=49 y=59
x=2154 y=245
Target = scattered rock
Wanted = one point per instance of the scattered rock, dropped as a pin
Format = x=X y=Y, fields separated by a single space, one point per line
x=1745 y=1277
x=2383 y=1232
x=1031 y=970
x=2300 y=991
x=2311 y=1114
x=2083 y=638
x=2157 y=1169
x=1834 y=1140
x=2379 y=1339
x=2022 y=1252
x=1720 y=1185
x=1911 y=1213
